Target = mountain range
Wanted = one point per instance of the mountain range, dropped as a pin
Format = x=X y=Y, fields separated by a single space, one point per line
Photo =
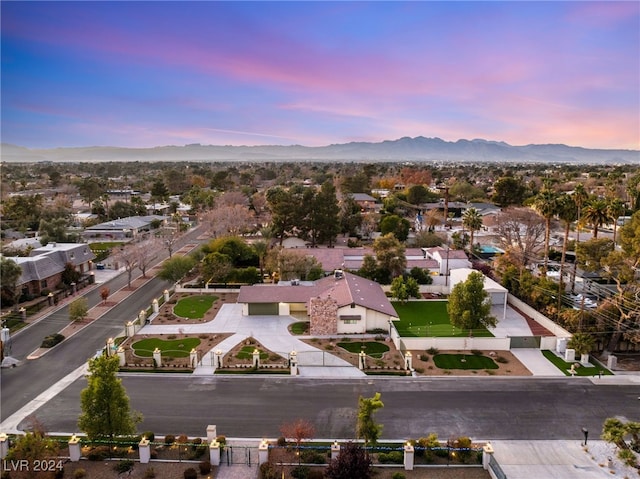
x=419 y=149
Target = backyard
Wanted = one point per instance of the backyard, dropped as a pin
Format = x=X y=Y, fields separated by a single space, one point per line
x=429 y=319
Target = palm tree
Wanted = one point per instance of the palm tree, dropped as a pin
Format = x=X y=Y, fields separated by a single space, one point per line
x=568 y=213
x=615 y=207
x=596 y=213
x=472 y=220
x=580 y=196
x=546 y=204
x=582 y=343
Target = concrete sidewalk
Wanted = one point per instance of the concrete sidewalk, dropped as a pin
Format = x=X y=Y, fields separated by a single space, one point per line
x=559 y=460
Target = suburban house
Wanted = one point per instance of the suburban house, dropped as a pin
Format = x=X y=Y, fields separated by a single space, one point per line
x=367 y=203
x=447 y=259
x=339 y=304
x=42 y=270
x=123 y=228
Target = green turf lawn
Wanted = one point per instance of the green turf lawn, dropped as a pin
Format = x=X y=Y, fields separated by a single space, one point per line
x=429 y=319
x=371 y=348
x=300 y=327
x=177 y=348
x=194 y=307
x=471 y=361
x=564 y=366
x=247 y=353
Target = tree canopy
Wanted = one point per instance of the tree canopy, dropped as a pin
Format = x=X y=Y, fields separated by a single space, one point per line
x=468 y=307
x=104 y=402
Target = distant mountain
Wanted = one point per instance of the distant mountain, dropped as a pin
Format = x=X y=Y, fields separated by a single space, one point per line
x=417 y=149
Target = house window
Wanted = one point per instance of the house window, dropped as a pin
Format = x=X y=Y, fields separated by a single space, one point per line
x=43 y=283
x=350 y=318
x=73 y=255
x=350 y=321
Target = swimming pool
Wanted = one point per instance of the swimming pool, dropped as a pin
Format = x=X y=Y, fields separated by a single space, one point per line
x=488 y=249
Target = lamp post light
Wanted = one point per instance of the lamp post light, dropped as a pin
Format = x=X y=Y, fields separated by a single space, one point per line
x=585 y=431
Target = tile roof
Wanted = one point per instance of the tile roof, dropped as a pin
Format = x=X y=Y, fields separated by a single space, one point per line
x=346 y=290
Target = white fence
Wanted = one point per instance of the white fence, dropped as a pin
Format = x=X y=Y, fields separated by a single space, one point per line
x=524 y=308
x=459 y=344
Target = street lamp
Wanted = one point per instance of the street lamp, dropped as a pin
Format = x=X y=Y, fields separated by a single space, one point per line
x=585 y=431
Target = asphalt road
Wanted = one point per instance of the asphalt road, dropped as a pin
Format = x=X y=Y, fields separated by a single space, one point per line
x=20 y=385
x=482 y=408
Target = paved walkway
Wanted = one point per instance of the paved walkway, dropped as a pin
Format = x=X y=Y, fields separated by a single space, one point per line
x=558 y=460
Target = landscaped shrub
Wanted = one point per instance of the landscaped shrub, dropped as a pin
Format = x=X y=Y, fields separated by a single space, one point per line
x=182 y=439
x=149 y=435
x=282 y=441
x=169 y=439
x=309 y=456
x=123 y=466
x=476 y=352
x=433 y=351
x=398 y=475
x=300 y=472
x=51 y=340
x=423 y=357
x=150 y=473
x=79 y=473
x=98 y=453
x=190 y=473
x=501 y=359
x=464 y=452
x=221 y=439
x=391 y=457
x=268 y=471
x=205 y=467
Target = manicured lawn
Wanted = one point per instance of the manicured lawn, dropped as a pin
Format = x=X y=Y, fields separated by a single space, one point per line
x=463 y=361
x=301 y=327
x=247 y=353
x=177 y=348
x=194 y=307
x=429 y=319
x=564 y=366
x=371 y=348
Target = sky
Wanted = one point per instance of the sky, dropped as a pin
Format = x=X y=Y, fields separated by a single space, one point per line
x=155 y=73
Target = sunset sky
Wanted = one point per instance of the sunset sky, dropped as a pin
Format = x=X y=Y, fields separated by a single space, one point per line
x=142 y=74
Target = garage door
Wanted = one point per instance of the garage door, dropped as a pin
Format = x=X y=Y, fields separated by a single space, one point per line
x=263 y=309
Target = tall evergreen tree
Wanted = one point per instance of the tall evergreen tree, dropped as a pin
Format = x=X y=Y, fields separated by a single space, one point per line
x=104 y=402
x=472 y=221
x=327 y=211
x=546 y=204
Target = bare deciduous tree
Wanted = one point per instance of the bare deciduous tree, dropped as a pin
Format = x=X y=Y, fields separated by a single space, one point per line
x=128 y=257
x=522 y=231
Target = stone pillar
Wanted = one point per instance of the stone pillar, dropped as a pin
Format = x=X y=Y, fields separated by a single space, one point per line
x=612 y=362
x=121 y=357
x=154 y=306
x=110 y=348
x=4 y=445
x=166 y=295
x=157 y=358
x=145 y=451
x=256 y=358
x=218 y=361
x=408 y=359
x=487 y=452
x=50 y=298
x=570 y=355
x=131 y=329
x=293 y=359
x=408 y=457
x=74 y=448
x=212 y=433
x=335 y=450
x=263 y=452
x=142 y=316
x=584 y=359
x=214 y=453
x=23 y=314
x=361 y=362
x=73 y=288
x=193 y=358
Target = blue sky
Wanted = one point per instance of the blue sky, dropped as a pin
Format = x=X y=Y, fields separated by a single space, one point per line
x=142 y=74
